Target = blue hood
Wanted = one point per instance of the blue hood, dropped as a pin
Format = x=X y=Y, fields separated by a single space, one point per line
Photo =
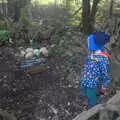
x=97 y=40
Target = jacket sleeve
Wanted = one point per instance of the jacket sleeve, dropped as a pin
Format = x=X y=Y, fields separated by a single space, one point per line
x=106 y=75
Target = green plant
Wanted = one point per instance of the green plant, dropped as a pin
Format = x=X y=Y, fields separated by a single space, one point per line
x=4 y=36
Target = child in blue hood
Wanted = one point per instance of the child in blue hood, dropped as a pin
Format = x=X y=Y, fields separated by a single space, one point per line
x=96 y=70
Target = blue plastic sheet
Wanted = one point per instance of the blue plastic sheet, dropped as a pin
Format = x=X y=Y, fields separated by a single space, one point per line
x=25 y=65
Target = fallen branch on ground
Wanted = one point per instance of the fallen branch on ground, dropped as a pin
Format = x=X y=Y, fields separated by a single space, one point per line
x=112 y=105
x=87 y=114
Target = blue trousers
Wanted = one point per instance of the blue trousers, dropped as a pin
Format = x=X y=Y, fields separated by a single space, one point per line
x=90 y=93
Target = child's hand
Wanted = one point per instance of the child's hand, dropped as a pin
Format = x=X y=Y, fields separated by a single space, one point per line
x=104 y=90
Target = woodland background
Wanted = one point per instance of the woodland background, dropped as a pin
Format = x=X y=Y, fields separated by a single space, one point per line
x=62 y=27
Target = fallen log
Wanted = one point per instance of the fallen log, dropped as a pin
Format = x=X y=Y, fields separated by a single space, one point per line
x=112 y=105
x=87 y=114
x=115 y=99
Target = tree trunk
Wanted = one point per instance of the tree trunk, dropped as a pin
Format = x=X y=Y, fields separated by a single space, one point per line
x=2 y=7
x=29 y=11
x=93 y=13
x=10 y=8
x=55 y=2
x=17 y=11
x=14 y=8
x=86 y=15
x=111 y=8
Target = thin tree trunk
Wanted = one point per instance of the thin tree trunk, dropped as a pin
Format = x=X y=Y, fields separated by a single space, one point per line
x=14 y=8
x=55 y=2
x=10 y=7
x=2 y=7
x=17 y=11
x=86 y=15
x=29 y=11
x=111 y=8
x=93 y=13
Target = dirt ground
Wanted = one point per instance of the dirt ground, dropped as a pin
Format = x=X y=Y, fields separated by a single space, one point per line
x=41 y=96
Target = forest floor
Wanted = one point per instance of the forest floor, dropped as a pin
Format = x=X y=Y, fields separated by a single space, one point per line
x=42 y=96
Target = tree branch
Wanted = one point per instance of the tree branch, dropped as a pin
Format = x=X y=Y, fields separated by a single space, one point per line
x=77 y=11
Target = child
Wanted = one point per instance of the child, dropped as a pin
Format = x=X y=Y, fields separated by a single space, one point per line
x=96 y=70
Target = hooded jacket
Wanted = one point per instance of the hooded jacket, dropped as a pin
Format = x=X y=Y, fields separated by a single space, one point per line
x=96 y=70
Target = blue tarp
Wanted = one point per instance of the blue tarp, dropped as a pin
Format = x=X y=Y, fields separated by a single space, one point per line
x=33 y=62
